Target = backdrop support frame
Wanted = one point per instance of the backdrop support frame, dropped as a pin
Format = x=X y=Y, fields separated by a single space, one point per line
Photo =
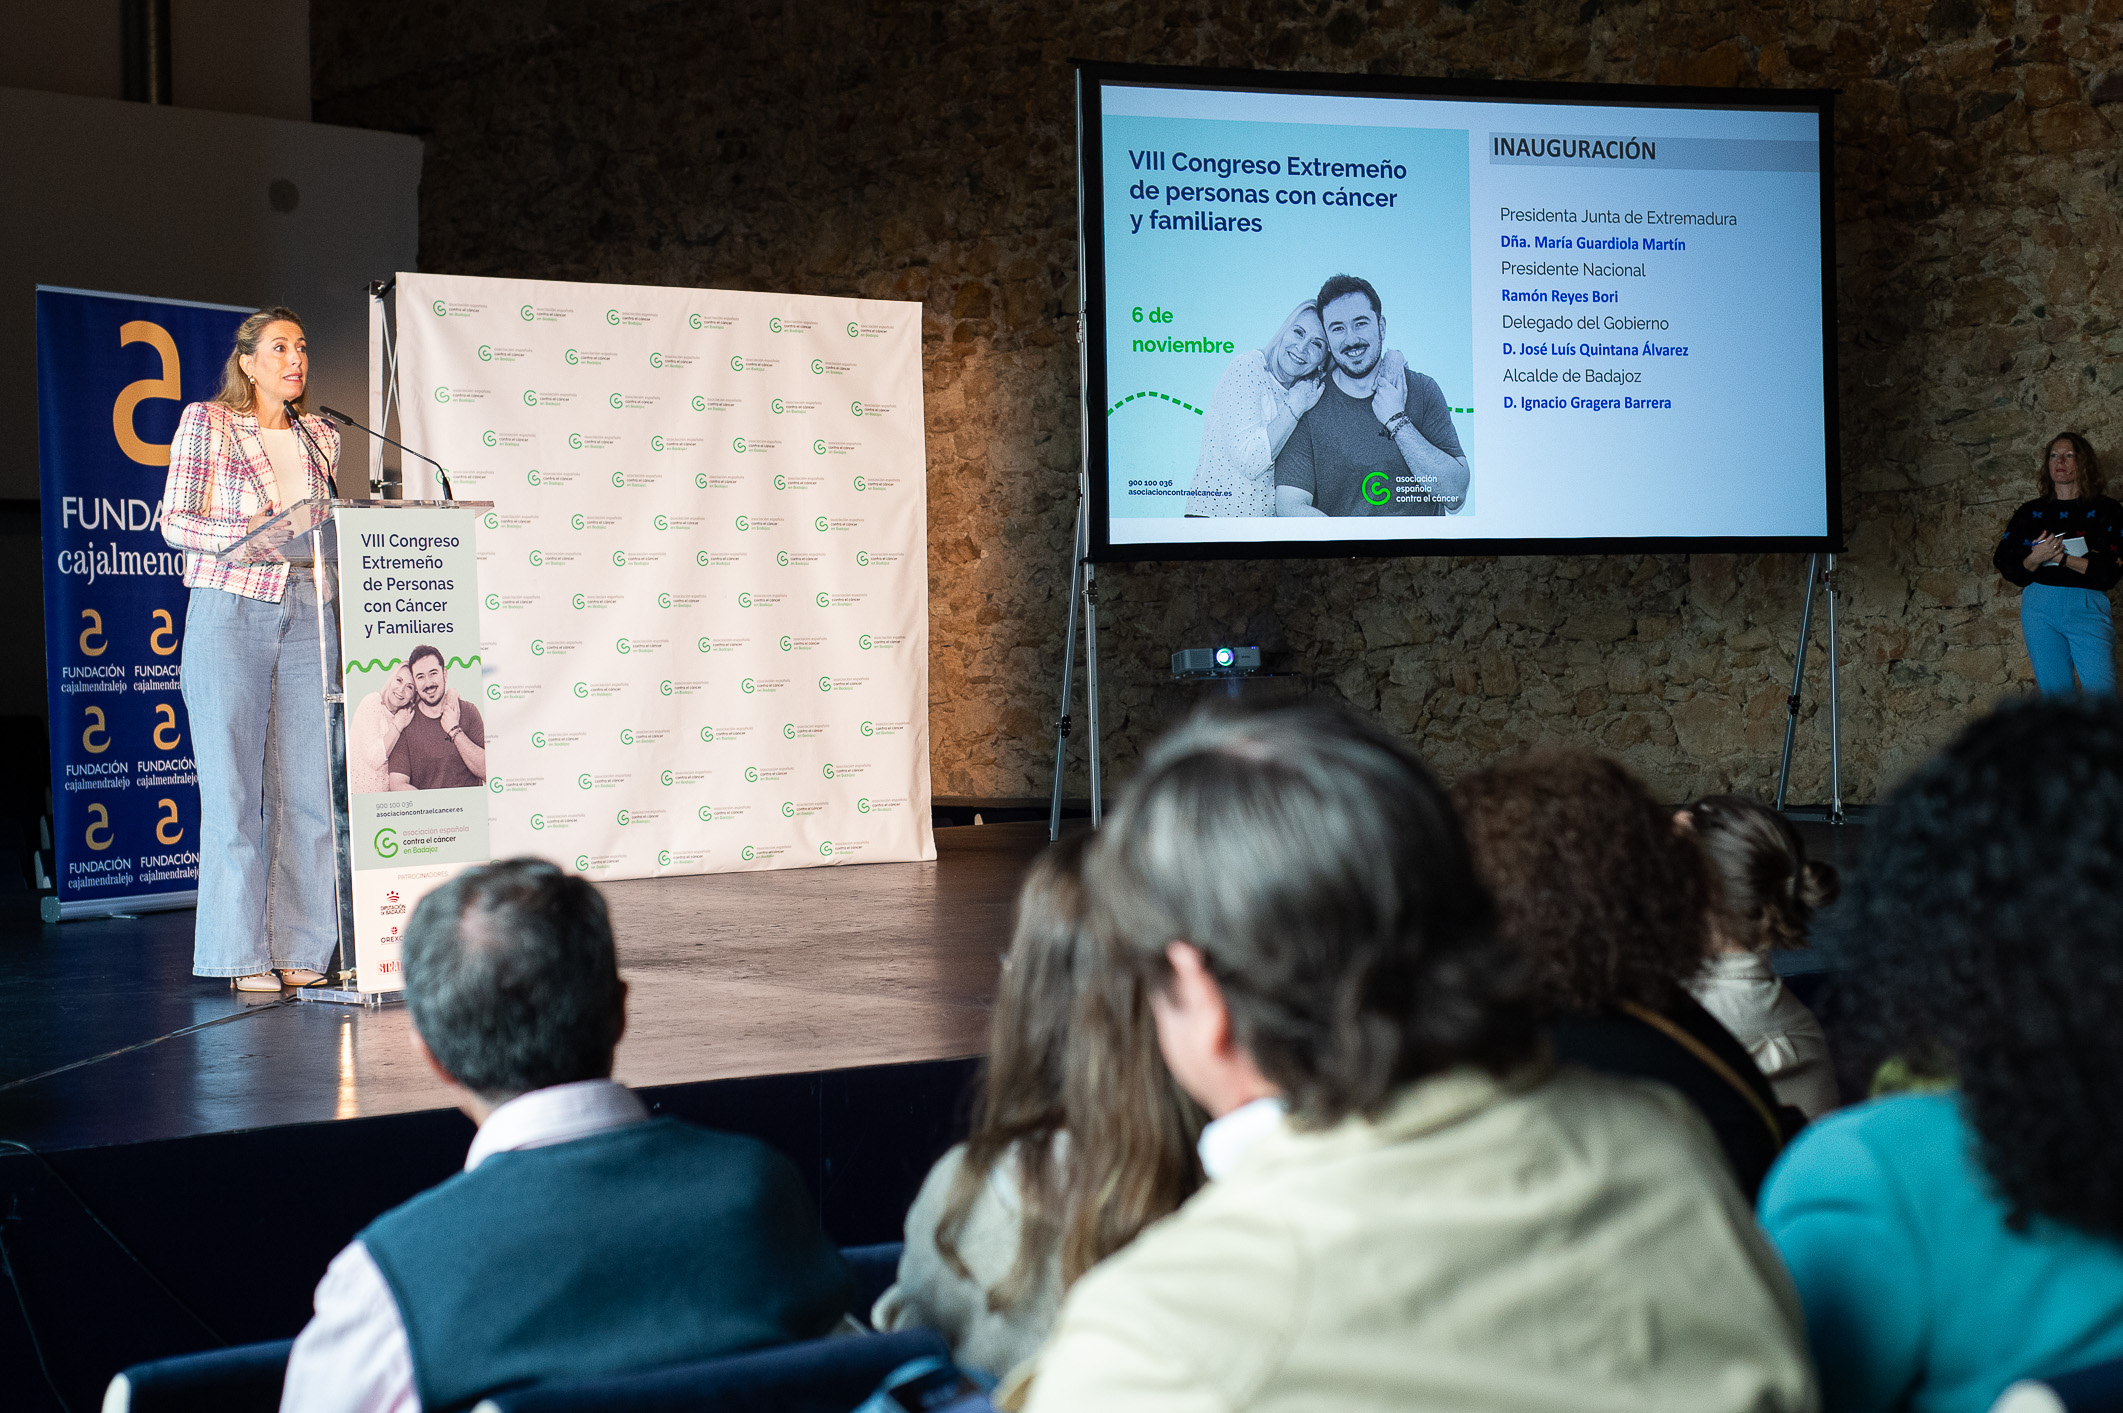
x=1083 y=584
x=1818 y=578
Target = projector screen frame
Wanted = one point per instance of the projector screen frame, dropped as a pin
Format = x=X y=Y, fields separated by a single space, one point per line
x=1092 y=328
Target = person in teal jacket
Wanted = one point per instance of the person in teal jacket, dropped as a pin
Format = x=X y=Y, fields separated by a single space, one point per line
x=1947 y=1244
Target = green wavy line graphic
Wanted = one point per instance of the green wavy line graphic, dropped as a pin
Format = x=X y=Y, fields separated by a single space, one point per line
x=1168 y=397
x=379 y=664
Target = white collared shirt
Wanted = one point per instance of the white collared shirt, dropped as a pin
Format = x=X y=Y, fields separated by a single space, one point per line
x=1225 y=1141
x=352 y=1357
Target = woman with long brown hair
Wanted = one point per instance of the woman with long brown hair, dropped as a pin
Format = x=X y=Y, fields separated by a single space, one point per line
x=252 y=676
x=2064 y=549
x=1079 y=1141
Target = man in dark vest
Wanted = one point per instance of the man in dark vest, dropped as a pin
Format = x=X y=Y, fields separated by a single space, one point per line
x=583 y=1236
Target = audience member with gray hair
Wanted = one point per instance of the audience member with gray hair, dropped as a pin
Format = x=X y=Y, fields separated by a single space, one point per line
x=583 y=1236
x=1408 y=1205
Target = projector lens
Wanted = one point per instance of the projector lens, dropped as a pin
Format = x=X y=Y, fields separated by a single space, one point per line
x=1223 y=657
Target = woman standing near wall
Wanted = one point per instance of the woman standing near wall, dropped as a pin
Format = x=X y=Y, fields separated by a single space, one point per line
x=2064 y=549
x=252 y=679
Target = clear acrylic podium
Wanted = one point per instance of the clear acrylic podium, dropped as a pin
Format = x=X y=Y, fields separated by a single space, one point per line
x=306 y=536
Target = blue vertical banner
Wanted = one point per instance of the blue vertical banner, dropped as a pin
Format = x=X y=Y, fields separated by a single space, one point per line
x=113 y=374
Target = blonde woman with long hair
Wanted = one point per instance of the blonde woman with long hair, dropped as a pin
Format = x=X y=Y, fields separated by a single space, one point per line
x=252 y=678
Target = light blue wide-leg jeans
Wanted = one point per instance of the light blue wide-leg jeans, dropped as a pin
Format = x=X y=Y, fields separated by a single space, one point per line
x=2069 y=630
x=254 y=693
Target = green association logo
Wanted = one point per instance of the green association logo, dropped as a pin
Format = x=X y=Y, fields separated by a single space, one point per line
x=707 y=733
x=863 y=642
x=663 y=688
x=530 y=397
x=493 y=691
x=825 y=684
x=493 y=602
x=737 y=364
x=537 y=647
x=611 y=316
x=827 y=770
x=700 y=557
x=867 y=729
x=490 y=438
x=819 y=524
x=656 y=443
x=788 y=809
x=856 y=408
x=746 y=853
x=536 y=559
x=663 y=858
x=737 y=444
x=577 y=521
x=788 y=644
x=626 y=735
x=743 y=522
x=788 y=730
x=624 y=819
x=700 y=644
x=744 y=600
x=748 y=687
x=661 y=522
x=491 y=520
x=656 y=360
x=581 y=601
x=774 y=325
x=537 y=821
x=818 y=448
x=574 y=441
x=663 y=600
x=700 y=404
x=571 y=358
x=781 y=557
x=700 y=480
x=825 y=850
x=668 y=777
x=442 y=311
x=862 y=806
x=583 y=781
x=486 y=353
x=538 y=740
x=861 y=484
x=751 y=775
x=582 y=863
x=494 y=783
x=854 y=331
x=862 y=557
x=619 y=480
x=524 y=313
x=824 y=599
x=776 y=404
x=617 y=402
x=781 y=483
x=442 y=394
x=692 y=321
x=622 y=647
x=818 y=365
x=386 y=843
x=531 y=475
x=619 y=557
x=706 y=814
x=1378 y=488
x=582 y=691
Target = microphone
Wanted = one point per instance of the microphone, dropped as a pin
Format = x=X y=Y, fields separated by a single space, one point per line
x=345 y=421
x=294 y=420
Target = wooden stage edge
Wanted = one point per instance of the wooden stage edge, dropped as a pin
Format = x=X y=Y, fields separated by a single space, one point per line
x=729 y=975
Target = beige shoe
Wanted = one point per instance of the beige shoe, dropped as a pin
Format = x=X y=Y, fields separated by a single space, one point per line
x=263 y=981
x=300 y=976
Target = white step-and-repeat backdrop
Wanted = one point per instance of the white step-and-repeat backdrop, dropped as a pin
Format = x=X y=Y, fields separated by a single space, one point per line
x=704 y=582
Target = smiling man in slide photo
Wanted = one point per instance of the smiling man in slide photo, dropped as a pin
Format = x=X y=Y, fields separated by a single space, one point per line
x=444 y=745
x=1380 y=441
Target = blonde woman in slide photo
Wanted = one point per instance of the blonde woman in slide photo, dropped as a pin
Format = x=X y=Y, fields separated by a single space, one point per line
x=1256 y=406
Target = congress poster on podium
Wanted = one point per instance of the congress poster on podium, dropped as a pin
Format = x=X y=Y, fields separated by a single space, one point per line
x=113 y=374
x=416 y=739
x=705 y=575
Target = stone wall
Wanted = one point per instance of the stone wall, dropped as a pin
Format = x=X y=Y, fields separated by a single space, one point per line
x=925 y=151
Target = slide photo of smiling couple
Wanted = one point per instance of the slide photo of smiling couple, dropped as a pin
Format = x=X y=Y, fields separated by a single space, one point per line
x=1326 y=419
x=415 y=732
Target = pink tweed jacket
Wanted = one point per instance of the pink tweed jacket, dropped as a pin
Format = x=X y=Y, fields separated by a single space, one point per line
x=214 y=488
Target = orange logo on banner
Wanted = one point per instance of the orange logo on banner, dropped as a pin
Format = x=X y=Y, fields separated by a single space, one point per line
x=170 y=385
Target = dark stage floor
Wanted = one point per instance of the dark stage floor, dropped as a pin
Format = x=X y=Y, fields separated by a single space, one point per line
x=730 y=975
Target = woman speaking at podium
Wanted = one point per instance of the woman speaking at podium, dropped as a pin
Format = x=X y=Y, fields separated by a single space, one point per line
x=2064 y=549
x=252 y=679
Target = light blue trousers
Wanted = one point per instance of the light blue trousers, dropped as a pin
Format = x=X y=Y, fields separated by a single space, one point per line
x=259 y=737
x=2067 y=631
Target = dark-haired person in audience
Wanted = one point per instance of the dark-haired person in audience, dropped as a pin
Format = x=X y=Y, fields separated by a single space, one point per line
x=1946 y=1244
x=583 y=1236
x=1768 y=893
x=1408 y=1206
x=1608 y=902
x=1045 y=1187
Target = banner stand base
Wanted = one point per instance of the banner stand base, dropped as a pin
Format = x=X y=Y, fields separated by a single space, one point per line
x=347 y=996
x=50 y=909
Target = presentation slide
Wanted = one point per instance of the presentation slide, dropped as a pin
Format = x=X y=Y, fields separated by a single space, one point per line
x=1409 y=322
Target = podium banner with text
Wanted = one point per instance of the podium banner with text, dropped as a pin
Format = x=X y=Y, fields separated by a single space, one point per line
x=416 y=765
x=113 y=374
x=705 y=574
